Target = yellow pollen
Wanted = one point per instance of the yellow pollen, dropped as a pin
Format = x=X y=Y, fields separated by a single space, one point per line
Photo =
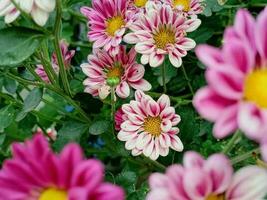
x=216 y=197
x=184 y=3
x=114 y=24
x=152 y=126
x=163 y=37
x=255 y=88
x=140 y=3
x=115 y=72
x=53 y=194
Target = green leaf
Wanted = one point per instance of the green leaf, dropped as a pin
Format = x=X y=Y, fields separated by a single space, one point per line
x=32 y=100
x=7 y=115
x=10 y=85
x=71 y=131
x=99 y=127
x=18 y=44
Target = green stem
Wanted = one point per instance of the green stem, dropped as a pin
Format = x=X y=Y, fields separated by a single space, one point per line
x=163 y=74
x=112 y=97
x=57 y=31
x=245 y=156
x=230 y=145
x=32 y=71
x=188 y=81
x=155 y=163
x=54 y=89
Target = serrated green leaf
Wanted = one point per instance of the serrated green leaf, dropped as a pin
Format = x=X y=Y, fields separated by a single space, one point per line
x=18 y=44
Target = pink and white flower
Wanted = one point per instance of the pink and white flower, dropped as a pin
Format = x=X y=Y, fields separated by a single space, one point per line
x=38 y=9
x=108 y=22
x=211 y=179
x=36 y=173
x=149 y=126
x=137 y=7
x=235 y=97
x=162 y=32
x=67 y=56
x=102 y=66
x=186 y=7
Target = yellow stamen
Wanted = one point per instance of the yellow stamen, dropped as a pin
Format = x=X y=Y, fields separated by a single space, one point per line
x=163 y=37
x=184 y=3
x=114 y=24
x=255 y=88
x=216 y=197
x=53 y=194
x=116 y=71
x=140 y=3
x=152 y=126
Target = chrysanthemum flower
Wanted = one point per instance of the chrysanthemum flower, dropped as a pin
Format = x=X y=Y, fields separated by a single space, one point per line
x=39 y=10
x=108 y=22
x=149 y=126
x=236 y=95
x=36 y=173
x=162 y=32
x=186 y=7
x=102 y=67
x=119 y=119
x=210 y=179
x=137 y=7
x=67 y=56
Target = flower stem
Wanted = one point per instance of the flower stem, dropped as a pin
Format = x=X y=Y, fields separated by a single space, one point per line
x=57 y=31
x=230 y=145
x=188 y=81
x=155 y=163
x=245 y=156
x=113 y=104
x=163 y=74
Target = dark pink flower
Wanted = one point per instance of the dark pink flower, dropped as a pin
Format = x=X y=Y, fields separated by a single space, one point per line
x=36 y=173
x=67 y=56
x=108 y=22
x=102 y=66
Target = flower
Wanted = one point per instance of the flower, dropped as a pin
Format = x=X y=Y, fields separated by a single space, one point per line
x=103 y=68
x=39 y=10
x=137 y=7
x=67 y=56
x=51 y=133
x=108 y=22
x=35 y=172
x=162 y=32
x=186 y=7
x=119 y=119
x=237 y=79
x=210 y=179
x=149 y=126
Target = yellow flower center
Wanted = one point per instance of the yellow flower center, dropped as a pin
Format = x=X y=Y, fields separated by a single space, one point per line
x=163 y=37
x=216 y=197
x=140 y=3
x=184 y=3
x=152 y=126
x=255 y=88
x=114 y=24
x=116 y=71
x=53 y=194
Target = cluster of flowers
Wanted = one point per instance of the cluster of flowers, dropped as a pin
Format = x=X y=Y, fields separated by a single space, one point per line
x=156 y=28
x=38 y=9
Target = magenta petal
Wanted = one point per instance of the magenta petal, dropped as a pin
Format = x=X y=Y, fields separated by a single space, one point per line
x=108 y=191
x=226 y=123
x=207 y=98
x=193 y=159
